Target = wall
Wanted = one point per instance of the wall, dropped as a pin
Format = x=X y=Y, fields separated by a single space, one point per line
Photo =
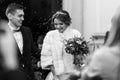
x=97 y=16
x=91 y=16
x=75 y=7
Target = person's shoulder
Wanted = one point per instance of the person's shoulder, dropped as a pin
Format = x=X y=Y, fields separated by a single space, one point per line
x=74 y=31
x=24 y=27
x=102 y=51
x=99 y=56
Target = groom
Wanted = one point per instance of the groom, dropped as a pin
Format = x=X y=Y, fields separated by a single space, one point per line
x=21 y=61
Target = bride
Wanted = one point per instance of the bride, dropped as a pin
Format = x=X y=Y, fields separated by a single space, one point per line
x=53 y=54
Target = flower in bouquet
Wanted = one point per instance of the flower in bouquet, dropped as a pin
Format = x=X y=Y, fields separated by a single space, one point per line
x=78 y=47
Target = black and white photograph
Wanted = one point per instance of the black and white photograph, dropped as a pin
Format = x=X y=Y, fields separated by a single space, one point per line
x=59 y=40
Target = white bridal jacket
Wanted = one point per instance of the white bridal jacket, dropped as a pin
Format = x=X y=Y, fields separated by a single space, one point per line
x=53 y=51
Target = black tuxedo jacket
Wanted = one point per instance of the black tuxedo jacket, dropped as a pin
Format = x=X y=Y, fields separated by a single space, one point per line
x=28 y=50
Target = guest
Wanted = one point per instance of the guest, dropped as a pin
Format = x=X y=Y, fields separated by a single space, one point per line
x=40 y=41
x=36 y=57
x=53 y=55
x=105 y=62
x=23 y=40
x=7 y=45
x=39 y=73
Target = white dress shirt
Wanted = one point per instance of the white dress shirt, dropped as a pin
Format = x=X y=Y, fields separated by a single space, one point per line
x=18 y=38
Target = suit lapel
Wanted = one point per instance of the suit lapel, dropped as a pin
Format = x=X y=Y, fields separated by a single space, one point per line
x=23 y=36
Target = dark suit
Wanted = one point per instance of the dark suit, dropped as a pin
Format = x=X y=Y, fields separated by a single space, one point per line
x=28 y=50
x=24 y=71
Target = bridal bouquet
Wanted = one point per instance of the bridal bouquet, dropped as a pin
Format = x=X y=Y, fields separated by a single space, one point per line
x=78 y=47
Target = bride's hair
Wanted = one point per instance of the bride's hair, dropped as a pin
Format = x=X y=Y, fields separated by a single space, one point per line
x=63 y=16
